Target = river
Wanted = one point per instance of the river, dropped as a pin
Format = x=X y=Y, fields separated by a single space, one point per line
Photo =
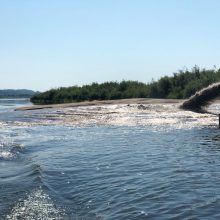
x=106 y=171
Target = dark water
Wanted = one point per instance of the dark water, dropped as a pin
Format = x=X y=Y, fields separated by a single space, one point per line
x=109 y=172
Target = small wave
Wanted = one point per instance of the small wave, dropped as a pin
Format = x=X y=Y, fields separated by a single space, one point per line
x=9 y=150
x=6 y=155
x=38 y=205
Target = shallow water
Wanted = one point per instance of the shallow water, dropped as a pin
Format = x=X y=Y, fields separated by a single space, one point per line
x=108 y=171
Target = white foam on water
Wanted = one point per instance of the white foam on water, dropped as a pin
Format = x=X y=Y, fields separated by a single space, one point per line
x=9 y=149
x=155 y=115
x=6 y=155
x=165 y=116
x=37 y=206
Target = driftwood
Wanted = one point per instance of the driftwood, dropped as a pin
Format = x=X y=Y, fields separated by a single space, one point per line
x=202 y=98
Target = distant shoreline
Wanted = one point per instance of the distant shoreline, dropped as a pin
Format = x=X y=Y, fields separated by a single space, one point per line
x=103 y=102
x=14 y=98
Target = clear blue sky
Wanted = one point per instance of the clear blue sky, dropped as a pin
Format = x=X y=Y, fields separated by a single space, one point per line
x=51 y=43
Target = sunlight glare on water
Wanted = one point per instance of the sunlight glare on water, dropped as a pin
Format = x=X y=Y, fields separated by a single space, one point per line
x=149 y=168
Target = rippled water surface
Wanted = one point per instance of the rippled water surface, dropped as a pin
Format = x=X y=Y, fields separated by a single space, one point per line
x=60 y=171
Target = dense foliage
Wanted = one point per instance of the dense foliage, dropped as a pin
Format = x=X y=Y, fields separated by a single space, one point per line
x=95 y=91
x=181 y=85
x=16 y=93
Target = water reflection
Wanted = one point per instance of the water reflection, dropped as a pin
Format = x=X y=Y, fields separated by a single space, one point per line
x=110 y=171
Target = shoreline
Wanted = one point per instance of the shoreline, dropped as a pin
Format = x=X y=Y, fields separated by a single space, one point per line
x=103 y=102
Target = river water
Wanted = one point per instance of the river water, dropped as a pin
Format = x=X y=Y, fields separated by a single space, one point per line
x=106 y=170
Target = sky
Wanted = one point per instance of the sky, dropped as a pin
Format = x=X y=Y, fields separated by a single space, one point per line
x=47 y=44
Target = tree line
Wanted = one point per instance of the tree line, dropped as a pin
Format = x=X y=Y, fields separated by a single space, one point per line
x=180 y=85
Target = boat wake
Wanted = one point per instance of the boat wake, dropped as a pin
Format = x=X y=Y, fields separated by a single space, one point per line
x=37 y=205
x=9 y=150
